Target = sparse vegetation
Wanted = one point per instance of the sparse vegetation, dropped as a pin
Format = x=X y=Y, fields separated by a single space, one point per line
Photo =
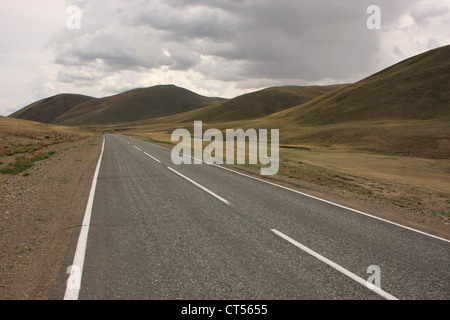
x=23 y=163
x=444 y=213
x=29 y=142
x=160 y=141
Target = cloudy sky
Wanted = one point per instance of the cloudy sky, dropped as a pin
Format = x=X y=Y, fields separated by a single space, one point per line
x=216 y=47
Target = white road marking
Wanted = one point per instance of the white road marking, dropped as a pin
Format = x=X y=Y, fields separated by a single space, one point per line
x=152 y=157
x=320 y=199
x=137 y=148
x=337 y=267
x=201 y=187
x=335 y=204
x=78 y=260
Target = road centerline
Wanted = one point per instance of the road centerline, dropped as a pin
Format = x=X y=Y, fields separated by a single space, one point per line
x=152 y=157
x=337 y=267
x=317 y=198
x=201 y=187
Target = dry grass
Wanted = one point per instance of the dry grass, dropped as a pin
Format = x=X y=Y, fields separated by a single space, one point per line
x=39 y=131
x=48 y=109
x=26 y=142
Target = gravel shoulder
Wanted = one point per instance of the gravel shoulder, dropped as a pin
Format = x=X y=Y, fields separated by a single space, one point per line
x=40 y=217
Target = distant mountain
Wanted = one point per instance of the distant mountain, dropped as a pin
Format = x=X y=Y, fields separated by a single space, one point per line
x=134 y=105
x=48 y=109
x=403 y=109
x=246 y=107
x=177 y=103
x=255 y=104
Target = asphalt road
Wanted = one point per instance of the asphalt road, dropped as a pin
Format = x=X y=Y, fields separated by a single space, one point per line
x=160 y=231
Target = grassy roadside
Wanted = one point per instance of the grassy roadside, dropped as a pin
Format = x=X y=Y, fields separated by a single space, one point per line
x=37 y=215
x=24 y=143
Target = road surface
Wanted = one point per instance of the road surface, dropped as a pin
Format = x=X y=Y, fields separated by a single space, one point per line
x=161 y=231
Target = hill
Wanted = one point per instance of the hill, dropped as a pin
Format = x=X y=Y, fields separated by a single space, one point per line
x=134 y=105
x=253 y=105
x=415 y=89
x=48 y=109
x=403 y=109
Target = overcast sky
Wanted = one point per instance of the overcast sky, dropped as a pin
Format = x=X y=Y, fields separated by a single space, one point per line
x=216 y=48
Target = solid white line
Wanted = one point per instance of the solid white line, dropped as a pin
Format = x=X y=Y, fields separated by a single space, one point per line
x=137 y=148
x=320 y=199
x=335 y=204
x=78 y=260
x=337 y=267
x=152 y=157
x=201 y=187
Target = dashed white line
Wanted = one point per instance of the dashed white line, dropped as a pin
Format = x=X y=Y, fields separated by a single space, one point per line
x=320 y=199
x=152 y=157
x=147 y=154
x=200 y=186
x=72 y=292
x=337 y=267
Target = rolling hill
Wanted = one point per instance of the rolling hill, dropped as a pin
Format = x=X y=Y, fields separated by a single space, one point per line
x=48 y=109
x=253 y=105
x=415 y=89
x=403 y=109
x=134 y=105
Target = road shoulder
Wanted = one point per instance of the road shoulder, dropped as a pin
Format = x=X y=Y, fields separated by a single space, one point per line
x=40 y=219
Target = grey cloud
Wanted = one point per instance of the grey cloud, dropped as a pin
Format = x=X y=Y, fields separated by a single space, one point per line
x=187 y=23
x=284 y=39
x=118 y=49
x=227 y=46
x=427 y=12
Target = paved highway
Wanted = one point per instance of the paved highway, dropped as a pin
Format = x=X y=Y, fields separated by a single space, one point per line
x=160 y=231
